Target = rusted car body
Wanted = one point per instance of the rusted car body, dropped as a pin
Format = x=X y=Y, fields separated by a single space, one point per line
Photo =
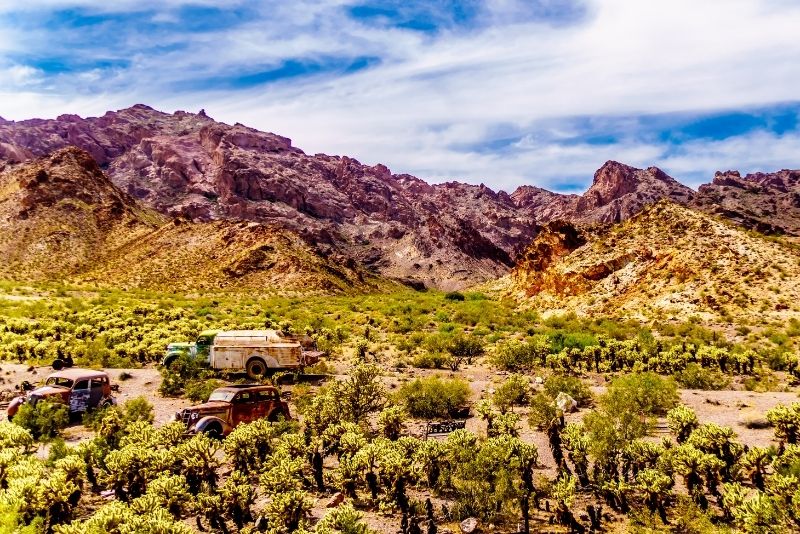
x=229 y=406
x=80 y=389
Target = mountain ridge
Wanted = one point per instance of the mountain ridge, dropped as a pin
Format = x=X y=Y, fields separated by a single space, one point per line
x=449 y=235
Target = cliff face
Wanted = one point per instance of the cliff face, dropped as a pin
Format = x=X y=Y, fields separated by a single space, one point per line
x=766 y=202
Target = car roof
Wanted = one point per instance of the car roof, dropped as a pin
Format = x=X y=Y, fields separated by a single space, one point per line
x=243 y=387
x=76 y=373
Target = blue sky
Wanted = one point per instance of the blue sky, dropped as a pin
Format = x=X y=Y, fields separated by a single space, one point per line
x=502 y=92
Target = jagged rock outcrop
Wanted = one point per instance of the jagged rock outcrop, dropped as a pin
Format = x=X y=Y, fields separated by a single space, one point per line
x=766 y=202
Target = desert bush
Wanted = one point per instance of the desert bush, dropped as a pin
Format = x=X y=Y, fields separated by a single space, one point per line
x=571 y=385
x=641 y=393
x=430 y=360
x=433 y=397
x=695 y=376
x=199 y=390
x=518 y=356
x=44 y=420
x=514 y=391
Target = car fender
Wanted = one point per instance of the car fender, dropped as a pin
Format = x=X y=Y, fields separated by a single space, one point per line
x=202 y=424
x=14 y=405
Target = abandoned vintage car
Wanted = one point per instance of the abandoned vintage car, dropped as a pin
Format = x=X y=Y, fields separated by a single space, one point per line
x=231 y=405
x=80 y=389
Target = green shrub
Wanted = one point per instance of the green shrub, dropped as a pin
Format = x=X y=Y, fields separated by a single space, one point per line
x=200 y=389
x=517 y=356
x=430 y=360
x=433 y=397
x=44 y=420
x=464 y=348
x=572 y=386
x=514 y=391
x=454 y=296
x=641 y=393
x=695 y=376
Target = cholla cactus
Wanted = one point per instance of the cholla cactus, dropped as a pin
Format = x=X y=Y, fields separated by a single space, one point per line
x=198 y=461
x=682 y=421
x=657 y=488
x=575 y=440
x=786 y=420
x=248 y=446
x=390 y=421
x=754 y=464
x=15 y=437
x=286 y=512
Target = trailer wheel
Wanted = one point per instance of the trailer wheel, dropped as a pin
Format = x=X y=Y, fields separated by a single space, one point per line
x=256 y=368
x=58 y=364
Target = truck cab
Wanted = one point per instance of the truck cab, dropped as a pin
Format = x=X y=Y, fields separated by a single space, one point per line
x=199 y=349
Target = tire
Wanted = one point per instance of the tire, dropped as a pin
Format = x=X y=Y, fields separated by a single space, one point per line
x=214 y=431
x=274 y=416
x=256 y=368
x=58 y=364
x=106 y=404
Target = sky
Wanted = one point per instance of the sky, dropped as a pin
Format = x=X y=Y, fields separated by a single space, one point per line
x=501 y=92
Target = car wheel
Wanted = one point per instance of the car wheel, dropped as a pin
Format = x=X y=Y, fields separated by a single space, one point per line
x=106 y=404
x=256 y=368
x=214 y=432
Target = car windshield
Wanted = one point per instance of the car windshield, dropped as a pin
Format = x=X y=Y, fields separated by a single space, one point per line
x=224 y=396
x=59 y=381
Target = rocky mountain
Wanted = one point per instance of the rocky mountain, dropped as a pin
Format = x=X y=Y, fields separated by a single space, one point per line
x=765 y=202
x=667 y=262
x=617 y=193
x=187 y=166
x=61 y=218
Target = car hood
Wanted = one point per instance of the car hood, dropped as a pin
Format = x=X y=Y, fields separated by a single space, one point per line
x=209 y=407
x=50 y=391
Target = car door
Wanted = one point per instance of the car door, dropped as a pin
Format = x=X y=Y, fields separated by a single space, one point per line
x=79 y=397
x=243 y=408
x=268 y=401
x=96 y=392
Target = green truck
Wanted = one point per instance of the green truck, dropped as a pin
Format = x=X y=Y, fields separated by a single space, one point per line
x=257 y=352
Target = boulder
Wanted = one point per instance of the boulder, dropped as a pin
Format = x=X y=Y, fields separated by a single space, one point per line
x=336 y=500
x=565 y=403
x=469 y=525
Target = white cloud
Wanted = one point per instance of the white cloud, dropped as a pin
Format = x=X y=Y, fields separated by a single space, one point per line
x=433 y=95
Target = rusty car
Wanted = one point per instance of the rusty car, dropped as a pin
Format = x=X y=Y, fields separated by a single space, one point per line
x=80 y=389
x=233 y=405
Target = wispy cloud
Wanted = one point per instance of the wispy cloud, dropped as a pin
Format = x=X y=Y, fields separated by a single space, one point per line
x=497 y=91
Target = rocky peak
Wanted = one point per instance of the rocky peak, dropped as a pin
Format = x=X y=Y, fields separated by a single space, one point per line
x=620 y=191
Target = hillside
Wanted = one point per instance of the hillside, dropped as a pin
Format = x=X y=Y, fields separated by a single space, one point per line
x=668 y=262
x=62 y=219
x=450 y=235
x=59 y=213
